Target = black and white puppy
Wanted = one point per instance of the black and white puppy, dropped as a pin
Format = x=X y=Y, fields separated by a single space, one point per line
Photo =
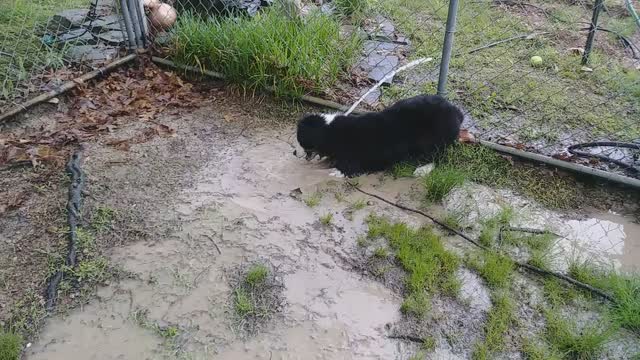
x=411 y=129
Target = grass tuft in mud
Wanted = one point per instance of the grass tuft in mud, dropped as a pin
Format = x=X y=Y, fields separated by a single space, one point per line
x=170 y=334
x=625 y=289
x=464 y=162
x=326 y=219
x=10 y=346
x=499 y=320
x=429 y=266
x=313 y=200
x=557 y=293
x=255 y=298
x=441 y=181
x=538 y=350
x=402 y=170
x=565 y=337
x=495 y=269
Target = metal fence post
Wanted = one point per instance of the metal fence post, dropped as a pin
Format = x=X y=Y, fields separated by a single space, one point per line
x=126 y=15
x=597 y=7
x=447 y=47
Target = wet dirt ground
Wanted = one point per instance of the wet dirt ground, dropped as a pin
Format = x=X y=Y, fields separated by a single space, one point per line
x=220 y=195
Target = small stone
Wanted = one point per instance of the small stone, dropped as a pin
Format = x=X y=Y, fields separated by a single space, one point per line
x=76 y=36
x=423 y=171
x=586 y=69
x=67 y=20
x=91 y=53
x=114 y=37
x=105 y=23
x=576 y=51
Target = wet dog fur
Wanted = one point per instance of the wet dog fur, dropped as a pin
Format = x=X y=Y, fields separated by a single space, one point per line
x=413 y=129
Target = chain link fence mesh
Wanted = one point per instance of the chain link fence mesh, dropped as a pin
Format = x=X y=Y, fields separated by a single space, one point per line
x=44 y=43
x=516 y=68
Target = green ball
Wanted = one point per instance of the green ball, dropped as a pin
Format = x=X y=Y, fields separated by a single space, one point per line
x=536 y=60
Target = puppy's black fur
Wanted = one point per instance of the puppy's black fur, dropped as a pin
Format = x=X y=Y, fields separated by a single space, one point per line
x=411 y=129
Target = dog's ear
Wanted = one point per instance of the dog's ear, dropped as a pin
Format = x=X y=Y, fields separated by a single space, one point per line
x=312 y=121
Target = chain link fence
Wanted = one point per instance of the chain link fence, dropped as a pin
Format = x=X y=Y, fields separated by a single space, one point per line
x=520 y=69
x=44 y=43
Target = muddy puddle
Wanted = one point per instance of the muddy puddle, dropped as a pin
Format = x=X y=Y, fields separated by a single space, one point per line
x=606 y=238
x=242 y=210
x=250 y=202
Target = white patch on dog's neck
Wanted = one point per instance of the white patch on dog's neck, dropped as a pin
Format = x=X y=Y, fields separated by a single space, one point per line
x=328 y=118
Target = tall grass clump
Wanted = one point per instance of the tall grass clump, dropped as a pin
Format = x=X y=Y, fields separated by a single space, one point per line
x=290 y=55
x=351 y=7
x=10 y=346
x=430 y=268
x=624 y=287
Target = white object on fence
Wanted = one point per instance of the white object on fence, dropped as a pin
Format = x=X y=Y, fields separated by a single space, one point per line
x=384 y=79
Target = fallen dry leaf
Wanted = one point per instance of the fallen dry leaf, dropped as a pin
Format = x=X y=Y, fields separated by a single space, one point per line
x=466 y=137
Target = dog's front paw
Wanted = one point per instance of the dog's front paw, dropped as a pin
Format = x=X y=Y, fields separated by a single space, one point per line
x=337 y=173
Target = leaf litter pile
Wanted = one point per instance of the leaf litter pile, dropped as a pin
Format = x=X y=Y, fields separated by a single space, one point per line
x=131 y=94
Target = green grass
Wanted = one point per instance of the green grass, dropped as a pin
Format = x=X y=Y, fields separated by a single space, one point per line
x=503 y=91
x=354 y=8
x=532 y=350
x=495 y=269
x=441 y=181
x=556 y=293
x=416 y=304
x=243 y=304
x=313 y=200
x=359 y=204
x=402 y=170
x=272 y=50
x=256 y=275
x=453 y=221
x=103 y=218
x=10 y=346
x=480 y=164
x=491 y=227
x=326 y=219
x=381 y=253
x=625 y=289
x=499 y=320
x=583 y=344
x=93 y=271
x=428 y=264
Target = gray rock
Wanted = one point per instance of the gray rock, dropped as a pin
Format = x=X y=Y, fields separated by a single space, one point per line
x=377 y=66
x=371 y=99
x=76 y=36
x=381 y=47
x=91 y=53
x=381 y=26
x=66 y=20
x=104 y=23
x=113 y=37
x=327 y=9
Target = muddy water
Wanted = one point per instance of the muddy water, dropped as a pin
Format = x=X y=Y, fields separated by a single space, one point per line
x=242 y=204
x=607 y=235
x=604 y=238
x=245 y=207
